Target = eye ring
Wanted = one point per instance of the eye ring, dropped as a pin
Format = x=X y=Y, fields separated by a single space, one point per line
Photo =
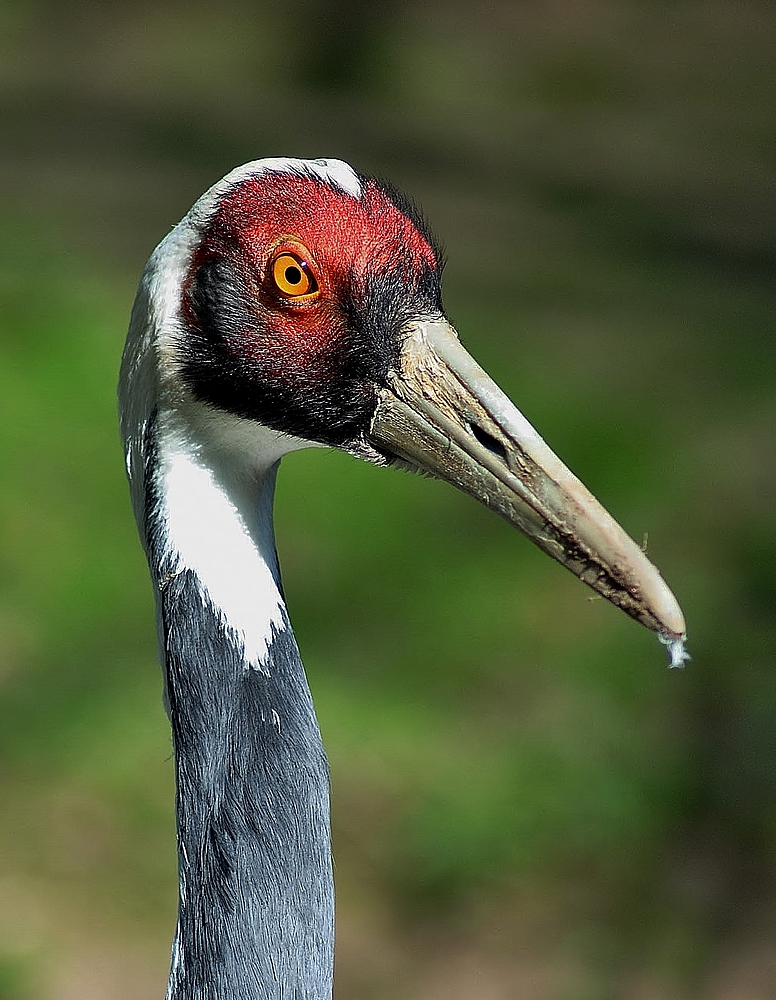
x=292 y=275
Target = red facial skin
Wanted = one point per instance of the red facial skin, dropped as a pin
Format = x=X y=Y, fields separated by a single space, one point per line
x=344 y=238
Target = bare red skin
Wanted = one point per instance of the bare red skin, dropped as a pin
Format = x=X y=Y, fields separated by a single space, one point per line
x=344 y=239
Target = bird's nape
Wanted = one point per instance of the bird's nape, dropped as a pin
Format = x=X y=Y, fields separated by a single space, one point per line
x=299 y=303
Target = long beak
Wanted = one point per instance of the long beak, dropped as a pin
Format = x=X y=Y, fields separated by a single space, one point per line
x=443 y=414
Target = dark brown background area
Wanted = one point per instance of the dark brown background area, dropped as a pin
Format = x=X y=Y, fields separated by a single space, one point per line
x=526 y=802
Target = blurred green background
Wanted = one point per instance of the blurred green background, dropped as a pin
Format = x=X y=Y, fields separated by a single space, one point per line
x=527 y=803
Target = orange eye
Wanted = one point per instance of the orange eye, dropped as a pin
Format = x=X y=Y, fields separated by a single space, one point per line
x=293 y=275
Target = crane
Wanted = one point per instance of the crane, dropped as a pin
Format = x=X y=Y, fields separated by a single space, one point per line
x=298 y=304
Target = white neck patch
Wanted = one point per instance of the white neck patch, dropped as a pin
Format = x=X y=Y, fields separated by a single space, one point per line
x=217 y=518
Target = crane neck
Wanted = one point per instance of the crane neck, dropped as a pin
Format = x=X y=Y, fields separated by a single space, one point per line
x=256 y=891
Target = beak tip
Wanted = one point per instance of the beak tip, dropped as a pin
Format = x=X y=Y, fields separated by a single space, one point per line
x=673 y=631
x=669 y=614
x=654 y=603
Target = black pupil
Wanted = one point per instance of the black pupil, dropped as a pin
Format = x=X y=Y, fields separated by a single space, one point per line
x=293 y=275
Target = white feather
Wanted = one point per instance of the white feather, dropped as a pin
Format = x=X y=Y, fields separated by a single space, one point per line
x=226 y=539
x=677 y=653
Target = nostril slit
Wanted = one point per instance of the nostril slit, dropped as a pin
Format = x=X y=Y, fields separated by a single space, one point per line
x=494 y=446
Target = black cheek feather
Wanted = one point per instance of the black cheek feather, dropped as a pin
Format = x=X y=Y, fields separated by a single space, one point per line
x=379 y=313
x=230 y=362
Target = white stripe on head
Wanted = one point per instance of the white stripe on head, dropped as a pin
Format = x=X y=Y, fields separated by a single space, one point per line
x=330 y=171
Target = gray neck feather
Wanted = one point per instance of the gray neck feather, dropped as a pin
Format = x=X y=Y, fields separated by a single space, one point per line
x=256 y=907
x=256 y=893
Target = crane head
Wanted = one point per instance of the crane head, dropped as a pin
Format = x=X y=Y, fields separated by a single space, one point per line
x=297 y=300
x=304 y=299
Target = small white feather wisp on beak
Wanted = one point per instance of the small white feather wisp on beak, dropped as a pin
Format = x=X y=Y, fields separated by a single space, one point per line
x=444 y=415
